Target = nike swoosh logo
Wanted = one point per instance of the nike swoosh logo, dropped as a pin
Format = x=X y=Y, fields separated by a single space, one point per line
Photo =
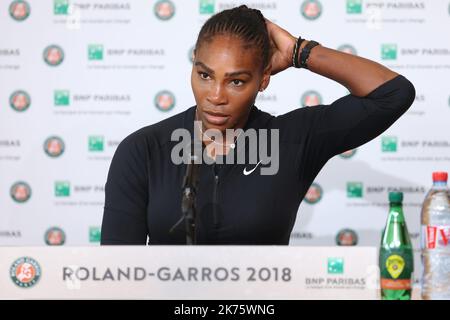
x=248 y=172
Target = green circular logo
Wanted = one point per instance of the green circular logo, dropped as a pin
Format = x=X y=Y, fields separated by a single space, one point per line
x=347 y=48
x=20 y=192
x=314 y=194
x=19 y=10
x=348 y=154
x=53 y=55
x=164 y=100
x=164 y=10
x=19 y=100
x=347 y=237
x=311 y=9
x=25 y=272
x=55 y=236
x=54 y=146
x=191 y=54
x=311 y=98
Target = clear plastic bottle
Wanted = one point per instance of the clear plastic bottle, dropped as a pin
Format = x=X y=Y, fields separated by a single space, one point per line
x=435 y=236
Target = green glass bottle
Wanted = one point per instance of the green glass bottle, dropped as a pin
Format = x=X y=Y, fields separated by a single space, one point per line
x=396 y=253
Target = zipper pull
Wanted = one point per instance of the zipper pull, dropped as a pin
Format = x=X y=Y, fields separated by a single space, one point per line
x=215 y=204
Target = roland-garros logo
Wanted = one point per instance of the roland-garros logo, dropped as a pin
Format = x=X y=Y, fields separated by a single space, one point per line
x=19 y=10
x=314 y=194
x=348 y=154
x=164 y=100
x=347 y=237
x=347 y=48
x=311 y=9
x=311 y=98
x=20 y=100
x=191 y=54
x=25 y=272
x=53 y=55
x=20 y=192
x=55 y=236
x=54 y=146
x=164 y=10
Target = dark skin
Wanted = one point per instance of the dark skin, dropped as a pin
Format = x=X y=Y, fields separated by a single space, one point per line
x=217 y=90
x=229 y=94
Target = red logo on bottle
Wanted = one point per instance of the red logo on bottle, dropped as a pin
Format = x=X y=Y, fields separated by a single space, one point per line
x=445 y=233
x=431 y=237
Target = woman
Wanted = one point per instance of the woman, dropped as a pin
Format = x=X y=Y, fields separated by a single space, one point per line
x=237 y=51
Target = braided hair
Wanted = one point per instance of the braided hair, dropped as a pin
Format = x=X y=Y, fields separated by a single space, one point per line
x=245 y=23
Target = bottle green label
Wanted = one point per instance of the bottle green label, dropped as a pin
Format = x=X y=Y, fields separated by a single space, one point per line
x=396 y=267
x=396 y=263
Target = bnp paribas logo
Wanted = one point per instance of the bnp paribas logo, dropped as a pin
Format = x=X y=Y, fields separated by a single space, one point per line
x=207 y=6
x=311 y=98
x=25 y=272
x=389 y=51
x=314 y=194
x=348 y=154
x=354 y=189
x=19 y=100
x=53 y=55
x=61 y=97
x=55 y=236
x=389 y=144
x=347 y=48
x=62 y=188
x=94 y=234
x=54 y=146
x=354 y=6
x=311 y=9
x=61 y=7
x=20 y=192
x=95 y=52
x=335 y=266
x=164 y=100
x=164 y=10
x=96 y=143
x=19 y=10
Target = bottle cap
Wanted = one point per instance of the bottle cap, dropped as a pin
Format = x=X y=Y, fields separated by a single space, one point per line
x=440 y=176
x=395 y=196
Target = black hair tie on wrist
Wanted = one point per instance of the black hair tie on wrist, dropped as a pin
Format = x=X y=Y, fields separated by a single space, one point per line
x=304 y=55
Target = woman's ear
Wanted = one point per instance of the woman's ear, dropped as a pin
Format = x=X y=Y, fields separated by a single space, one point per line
x=266 y=77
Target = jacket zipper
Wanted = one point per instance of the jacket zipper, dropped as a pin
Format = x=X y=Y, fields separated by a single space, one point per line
x=215 y=217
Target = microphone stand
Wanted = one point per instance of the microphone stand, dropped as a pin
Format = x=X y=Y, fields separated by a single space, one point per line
x=188 y=203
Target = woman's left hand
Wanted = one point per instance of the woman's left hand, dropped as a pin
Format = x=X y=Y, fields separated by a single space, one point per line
x=282 y=46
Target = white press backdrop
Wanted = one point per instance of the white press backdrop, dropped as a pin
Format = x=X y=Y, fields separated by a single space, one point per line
x=87 y=73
